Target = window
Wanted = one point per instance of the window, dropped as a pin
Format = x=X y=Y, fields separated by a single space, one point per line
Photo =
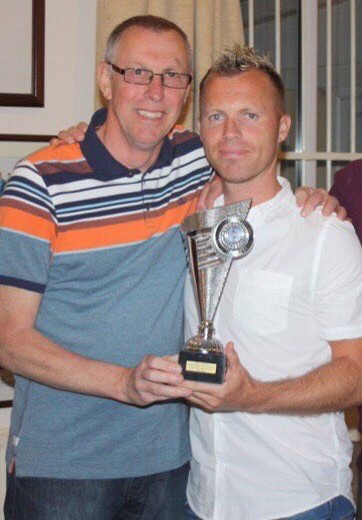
x=317 y=48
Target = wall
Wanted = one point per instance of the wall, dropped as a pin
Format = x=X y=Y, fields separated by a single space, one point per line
x=69 y=71
x=15 y=34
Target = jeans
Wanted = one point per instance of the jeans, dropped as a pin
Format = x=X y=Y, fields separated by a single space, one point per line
x=155 y=497
x=359 y=499
x=339 y=508
x=190 y=515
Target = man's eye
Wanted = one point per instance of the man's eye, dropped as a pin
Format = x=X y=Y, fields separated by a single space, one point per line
x=251 y=116
x=139 y=72
x=171 y=74
x=215 y=117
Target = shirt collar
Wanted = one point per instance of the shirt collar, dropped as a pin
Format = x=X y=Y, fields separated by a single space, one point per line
x=99 y=157
x=260 y=213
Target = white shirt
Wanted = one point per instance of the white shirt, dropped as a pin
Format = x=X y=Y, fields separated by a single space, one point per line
x=298 y=288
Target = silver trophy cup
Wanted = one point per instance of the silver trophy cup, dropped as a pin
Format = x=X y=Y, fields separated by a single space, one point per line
x=213 y=239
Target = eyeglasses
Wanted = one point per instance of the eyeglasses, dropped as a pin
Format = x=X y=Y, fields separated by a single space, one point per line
x=137 y=76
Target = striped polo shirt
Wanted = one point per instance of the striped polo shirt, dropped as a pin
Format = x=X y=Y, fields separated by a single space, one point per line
x=102 y=244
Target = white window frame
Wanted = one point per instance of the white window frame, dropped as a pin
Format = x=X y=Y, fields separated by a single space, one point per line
x=306 y=151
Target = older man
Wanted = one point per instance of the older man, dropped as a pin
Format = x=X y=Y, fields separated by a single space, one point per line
x=276 y=445
x=92 y=272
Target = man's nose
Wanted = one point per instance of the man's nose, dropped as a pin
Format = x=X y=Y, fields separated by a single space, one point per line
x=155 y=89
x=231 y=128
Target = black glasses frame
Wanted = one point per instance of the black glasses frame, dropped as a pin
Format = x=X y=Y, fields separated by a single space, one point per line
x=123 y=73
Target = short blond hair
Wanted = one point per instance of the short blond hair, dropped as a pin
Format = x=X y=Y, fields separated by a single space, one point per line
x=239 y=59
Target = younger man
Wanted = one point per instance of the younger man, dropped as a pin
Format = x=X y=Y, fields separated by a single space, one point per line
x=276 y=445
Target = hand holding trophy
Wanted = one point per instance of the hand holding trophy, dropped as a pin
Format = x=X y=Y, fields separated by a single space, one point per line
x=213 y=238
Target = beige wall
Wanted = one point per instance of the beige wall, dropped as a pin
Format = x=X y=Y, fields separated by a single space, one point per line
x=69 y=71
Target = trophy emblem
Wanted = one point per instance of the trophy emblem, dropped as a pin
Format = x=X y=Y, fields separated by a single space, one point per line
x=213 y=238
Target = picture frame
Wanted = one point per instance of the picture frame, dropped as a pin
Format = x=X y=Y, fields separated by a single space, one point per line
x=6 y=388
x=26 y=138
x=33 y=96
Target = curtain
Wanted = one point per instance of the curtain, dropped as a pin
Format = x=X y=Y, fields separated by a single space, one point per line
x=210 y=25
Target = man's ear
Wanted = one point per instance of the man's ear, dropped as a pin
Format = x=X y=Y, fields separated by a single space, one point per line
x=284 y=127
x=104 y=80
x=187 y=93
x=199 y=128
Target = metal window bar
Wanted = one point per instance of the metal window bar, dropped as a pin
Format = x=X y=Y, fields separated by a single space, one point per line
x=353 y=75
x=329 y=90
x=278 y=38
x=251 y=23
x=309 y=13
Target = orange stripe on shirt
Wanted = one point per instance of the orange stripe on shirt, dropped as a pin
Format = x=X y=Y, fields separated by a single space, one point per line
x=25 y=222
x=121 y=232
x=66 y=152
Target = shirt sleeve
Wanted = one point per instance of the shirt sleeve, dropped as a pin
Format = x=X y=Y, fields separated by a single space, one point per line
x=27 y=229
x=337 y=281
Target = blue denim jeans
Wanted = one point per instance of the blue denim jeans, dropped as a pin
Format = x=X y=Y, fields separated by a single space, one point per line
x=339 y=508
x=190 y=515
x=155 y=497
x=359 y=500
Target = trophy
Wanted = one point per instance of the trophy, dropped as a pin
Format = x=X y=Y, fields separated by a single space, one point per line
x=213 y=239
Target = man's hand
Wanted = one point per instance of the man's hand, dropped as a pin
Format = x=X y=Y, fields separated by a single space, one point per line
x=309 y=198
x=153 y=379
x=210 y=192
x=235 y=394
x=336 y=385
x=71 y=135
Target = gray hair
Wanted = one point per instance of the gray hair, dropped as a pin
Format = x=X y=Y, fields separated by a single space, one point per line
x=154 y=23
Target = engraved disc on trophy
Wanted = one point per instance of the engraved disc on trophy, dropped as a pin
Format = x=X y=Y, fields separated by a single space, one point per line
x=232 y=237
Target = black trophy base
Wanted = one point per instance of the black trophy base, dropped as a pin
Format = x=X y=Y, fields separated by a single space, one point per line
x=207 y=368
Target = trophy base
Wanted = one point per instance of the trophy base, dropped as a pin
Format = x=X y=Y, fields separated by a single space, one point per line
x=209 y=367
